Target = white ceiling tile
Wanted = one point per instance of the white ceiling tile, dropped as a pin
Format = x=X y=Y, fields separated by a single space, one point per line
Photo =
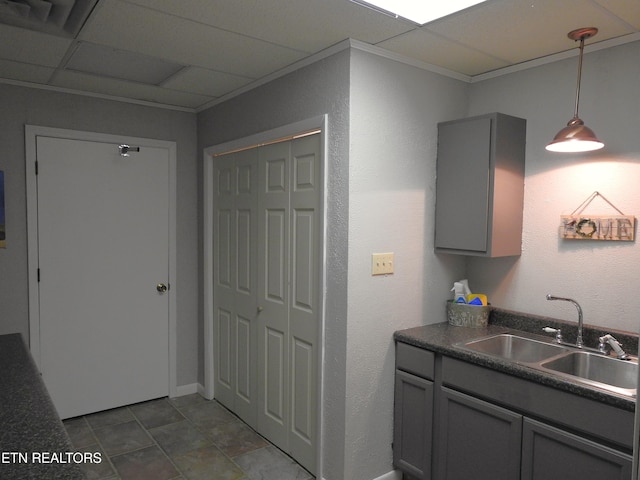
x=25 y=72
x=511 y=29
x=27 y=46
x=119 y=25
x=120 y=88
x=205 y=82
x=629 y=10
x=309 y=25
x=225 y=45
x=116 y=63
x=433 y=49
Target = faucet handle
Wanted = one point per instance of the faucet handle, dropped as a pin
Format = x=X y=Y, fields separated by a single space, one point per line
x=557 y=331
x=602 y=345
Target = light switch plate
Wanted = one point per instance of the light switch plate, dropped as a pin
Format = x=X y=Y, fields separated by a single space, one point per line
x=382 y=263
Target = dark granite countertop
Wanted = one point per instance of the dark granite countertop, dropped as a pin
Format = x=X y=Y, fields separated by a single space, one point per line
x=442 y=338
x=33 y=442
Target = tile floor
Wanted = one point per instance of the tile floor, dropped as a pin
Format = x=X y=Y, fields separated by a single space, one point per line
x=186 y=438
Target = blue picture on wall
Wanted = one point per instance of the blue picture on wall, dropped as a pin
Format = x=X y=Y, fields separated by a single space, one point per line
x=2 y=229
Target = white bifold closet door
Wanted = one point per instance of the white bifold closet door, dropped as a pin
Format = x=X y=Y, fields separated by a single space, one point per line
x=267 y=271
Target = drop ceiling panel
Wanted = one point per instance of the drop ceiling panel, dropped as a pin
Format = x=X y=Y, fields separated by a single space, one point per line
x=120 y=88
x=205 y=82
x=25 y=72
x=126 y=26
x=511 y=29
x=311 y=25
x=115 y=63
x=436 y=50
x=224 y=45
x=31 y=47
x=629 y=10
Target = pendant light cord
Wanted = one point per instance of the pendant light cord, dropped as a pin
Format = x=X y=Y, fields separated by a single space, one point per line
x=579 y=76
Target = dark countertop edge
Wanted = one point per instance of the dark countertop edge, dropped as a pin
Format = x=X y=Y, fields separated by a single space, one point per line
x=442 y=338
x=29 y=421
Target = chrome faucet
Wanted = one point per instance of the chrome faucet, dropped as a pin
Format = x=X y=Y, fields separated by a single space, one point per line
x=579 y=342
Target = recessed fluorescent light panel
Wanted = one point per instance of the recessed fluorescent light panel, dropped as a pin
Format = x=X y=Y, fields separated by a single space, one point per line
x=418 y=11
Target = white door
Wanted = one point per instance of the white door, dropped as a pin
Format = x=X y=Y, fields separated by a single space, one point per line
x=234 y=280
x=289 y=294
x=103 y=252
x=266 y=289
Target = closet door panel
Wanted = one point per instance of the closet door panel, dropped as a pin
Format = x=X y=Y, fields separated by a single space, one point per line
x=273 y=297
x=304 y=311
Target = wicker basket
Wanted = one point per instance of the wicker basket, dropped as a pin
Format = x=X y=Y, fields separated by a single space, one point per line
x=463 y=315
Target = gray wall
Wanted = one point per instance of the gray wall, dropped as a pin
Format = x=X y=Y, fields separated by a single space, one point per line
x=381 y=179
x=22 y=106
x=394 y=113
x=321 y=88
x=601 y=275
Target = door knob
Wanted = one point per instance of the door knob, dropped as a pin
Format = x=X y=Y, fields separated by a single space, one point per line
x=259 y=309
x=162 y=288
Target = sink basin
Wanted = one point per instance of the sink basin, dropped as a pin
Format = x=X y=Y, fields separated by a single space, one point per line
x=589 y=368
x=515 y=348
x=597 y=369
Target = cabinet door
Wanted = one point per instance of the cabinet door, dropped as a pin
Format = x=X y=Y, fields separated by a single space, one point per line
x=478 y=440
x=413 y=421
x=462 y=185
x=553 y=454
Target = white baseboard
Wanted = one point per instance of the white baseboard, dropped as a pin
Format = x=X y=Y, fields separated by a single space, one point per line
x=203 y=392
x=392 y=475
x=182 y=390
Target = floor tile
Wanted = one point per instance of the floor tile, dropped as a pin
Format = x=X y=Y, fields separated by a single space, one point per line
x=206 y=464
x=235 y=438
x=269 y=463
x=145 y=464
x=124 y=437
x=179 y=438
x=185 y=438
x=97 y=471
x=188 y=400
x=109 y=417
x=156 y=413
x=79 y=432
x=210 y=413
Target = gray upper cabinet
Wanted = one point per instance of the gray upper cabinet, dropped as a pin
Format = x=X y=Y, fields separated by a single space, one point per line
x=480 y=186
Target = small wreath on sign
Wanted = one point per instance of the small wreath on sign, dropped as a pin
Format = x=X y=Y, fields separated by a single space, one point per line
x=590 y=224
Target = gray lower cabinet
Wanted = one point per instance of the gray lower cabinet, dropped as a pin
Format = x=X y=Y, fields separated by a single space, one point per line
x=413 y=411
x=478 y=440
x=553 y=454
x=413 y=423
x=447 y=426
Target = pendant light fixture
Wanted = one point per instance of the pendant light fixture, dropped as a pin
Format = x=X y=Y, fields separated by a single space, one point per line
x=576 y=136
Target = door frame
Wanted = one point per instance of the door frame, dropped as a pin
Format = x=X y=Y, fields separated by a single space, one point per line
x=31 y=134
x=320 y=123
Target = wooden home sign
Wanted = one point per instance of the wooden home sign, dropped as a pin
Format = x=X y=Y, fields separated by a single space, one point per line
x=598 y=227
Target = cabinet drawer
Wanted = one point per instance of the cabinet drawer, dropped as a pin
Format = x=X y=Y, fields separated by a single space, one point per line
x=414 y=360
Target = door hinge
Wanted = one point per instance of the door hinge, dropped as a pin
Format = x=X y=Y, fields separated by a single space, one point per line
x=38 y=275
x=36 y=167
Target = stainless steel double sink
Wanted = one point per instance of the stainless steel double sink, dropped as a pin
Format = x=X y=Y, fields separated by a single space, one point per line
x=589 y=368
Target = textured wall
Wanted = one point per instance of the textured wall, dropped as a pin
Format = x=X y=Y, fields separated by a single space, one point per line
x=395 y=109
x=601 y=276
x=321 y=88
x=22 y=106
